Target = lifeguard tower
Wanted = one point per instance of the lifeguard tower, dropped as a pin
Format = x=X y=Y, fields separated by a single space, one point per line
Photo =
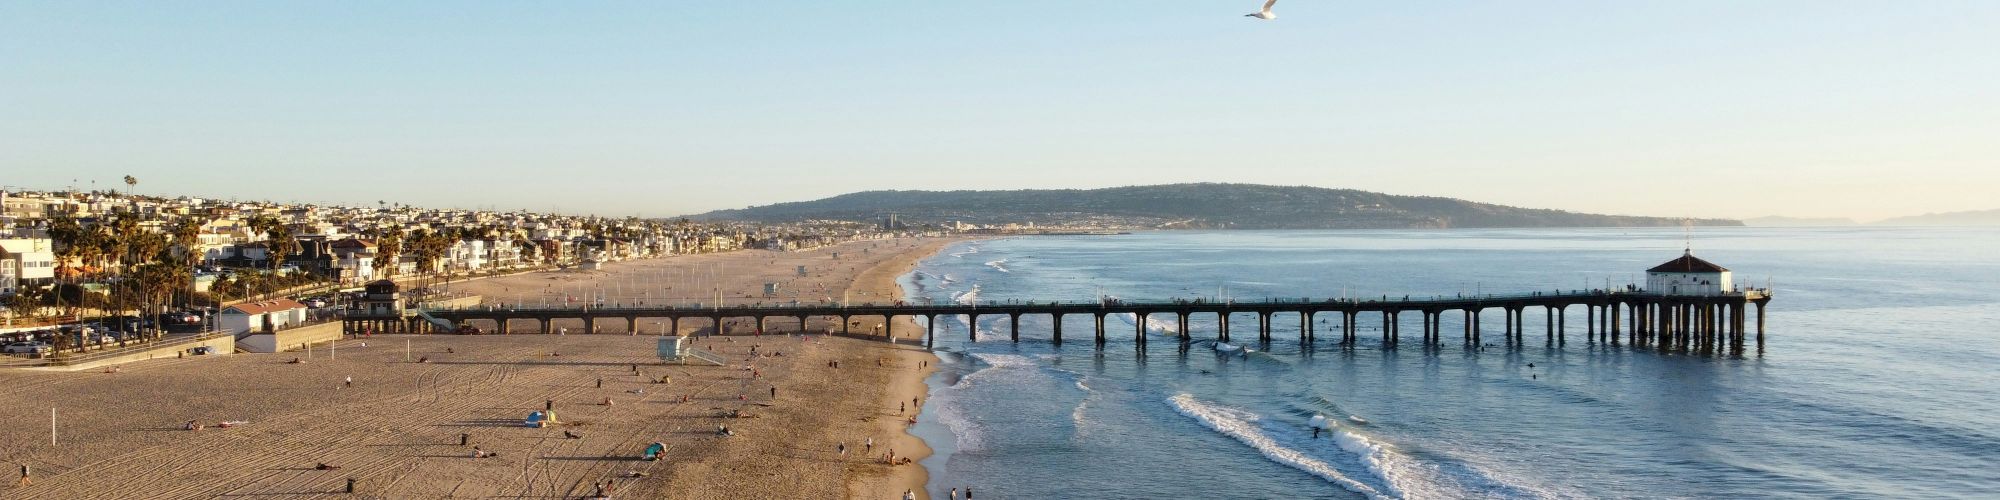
x=675 y=350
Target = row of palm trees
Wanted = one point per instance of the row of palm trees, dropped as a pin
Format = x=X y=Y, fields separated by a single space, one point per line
x=139 y=269
x=146 y=269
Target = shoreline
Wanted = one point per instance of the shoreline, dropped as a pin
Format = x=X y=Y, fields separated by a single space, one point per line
x=904 y=385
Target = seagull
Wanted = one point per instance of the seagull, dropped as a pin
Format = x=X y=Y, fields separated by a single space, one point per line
x=1265 y=14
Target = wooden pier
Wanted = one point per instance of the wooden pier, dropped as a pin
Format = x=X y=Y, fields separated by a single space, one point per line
x=1681 y=323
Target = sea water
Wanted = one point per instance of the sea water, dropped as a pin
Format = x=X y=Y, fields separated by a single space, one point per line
x=1880 y=377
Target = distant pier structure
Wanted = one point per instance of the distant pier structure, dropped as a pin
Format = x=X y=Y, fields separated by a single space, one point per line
x=1687 y=305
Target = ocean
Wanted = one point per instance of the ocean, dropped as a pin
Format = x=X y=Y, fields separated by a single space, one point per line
x=1880 y=378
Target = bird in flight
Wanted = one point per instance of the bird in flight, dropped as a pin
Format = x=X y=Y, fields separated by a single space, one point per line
x=1265 y=14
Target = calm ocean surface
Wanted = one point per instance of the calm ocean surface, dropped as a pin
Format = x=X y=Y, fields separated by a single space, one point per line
x=1881 y=377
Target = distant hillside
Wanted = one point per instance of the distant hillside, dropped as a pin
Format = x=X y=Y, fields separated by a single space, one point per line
x=1781 y=221
x=1189 y=206
x=1972 y=218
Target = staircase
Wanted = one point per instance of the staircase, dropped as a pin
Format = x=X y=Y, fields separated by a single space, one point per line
x=442 y=325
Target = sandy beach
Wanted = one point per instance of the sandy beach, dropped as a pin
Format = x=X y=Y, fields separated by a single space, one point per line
x=395 y=431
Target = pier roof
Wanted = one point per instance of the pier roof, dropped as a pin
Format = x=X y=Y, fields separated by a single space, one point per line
x=265 y=306
x=1688 y=263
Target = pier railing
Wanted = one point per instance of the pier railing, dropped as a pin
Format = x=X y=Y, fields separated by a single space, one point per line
x=784 y=308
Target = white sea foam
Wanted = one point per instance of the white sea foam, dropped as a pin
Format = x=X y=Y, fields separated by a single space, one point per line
x=1002 y=361
x=951 y=412
x=1076 y=415
x=1154 y=325
x=967 y=297
x=996 y=265
x=966 y=435
x=1244 y=426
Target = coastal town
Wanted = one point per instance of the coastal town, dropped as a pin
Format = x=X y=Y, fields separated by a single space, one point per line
x=66 y=255
x=225 y=331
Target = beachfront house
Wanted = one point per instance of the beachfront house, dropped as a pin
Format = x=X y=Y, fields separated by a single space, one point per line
x=356 y=259
x=29 y=261
x=261 y=316
x=1688 y=275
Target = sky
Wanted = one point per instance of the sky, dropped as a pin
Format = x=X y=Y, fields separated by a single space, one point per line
x=1704 y=108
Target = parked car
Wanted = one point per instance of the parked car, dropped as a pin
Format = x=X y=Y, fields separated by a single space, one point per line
x=24 y=348
x=179 y=318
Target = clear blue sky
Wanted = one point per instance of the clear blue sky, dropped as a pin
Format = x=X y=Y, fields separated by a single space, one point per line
x=1734 y=108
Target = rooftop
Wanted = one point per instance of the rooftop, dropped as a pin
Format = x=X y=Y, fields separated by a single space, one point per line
x=1688 y=263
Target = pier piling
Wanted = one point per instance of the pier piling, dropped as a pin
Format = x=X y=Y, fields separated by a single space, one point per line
x=1678 y=323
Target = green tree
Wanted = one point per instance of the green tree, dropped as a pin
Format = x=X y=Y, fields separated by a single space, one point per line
x=429 y=248
x=388 y=247
x=26 y=303
x=186 y=234
x=280 y=241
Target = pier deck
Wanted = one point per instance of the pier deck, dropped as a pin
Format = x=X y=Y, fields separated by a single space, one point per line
x=1706 y=323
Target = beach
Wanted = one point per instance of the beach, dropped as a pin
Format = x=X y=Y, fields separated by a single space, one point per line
x=395 y=431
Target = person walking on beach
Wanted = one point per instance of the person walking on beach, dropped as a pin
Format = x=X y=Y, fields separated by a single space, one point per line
x=954 y=494
x=349 y=382
x=909 y=495
x=869 y=446
x=27 y=475
x=841 y=448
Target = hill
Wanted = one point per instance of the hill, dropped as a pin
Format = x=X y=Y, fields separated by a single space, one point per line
x=1970 y=218
x=1185 y=206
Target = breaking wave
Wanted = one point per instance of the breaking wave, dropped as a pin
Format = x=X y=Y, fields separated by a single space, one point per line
x=1247 y=427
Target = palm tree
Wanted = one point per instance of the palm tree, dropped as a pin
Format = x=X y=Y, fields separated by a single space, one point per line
x=388 y=245
x=430 y=248
x=68 y=237
x=186 y=234
x=526 y=247
x=130 y=184
x=152 y=281
x=281 y=241
x=124 y=231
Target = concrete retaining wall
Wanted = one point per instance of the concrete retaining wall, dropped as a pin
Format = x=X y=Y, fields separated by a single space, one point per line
x=287 y=340
x=221 y=345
